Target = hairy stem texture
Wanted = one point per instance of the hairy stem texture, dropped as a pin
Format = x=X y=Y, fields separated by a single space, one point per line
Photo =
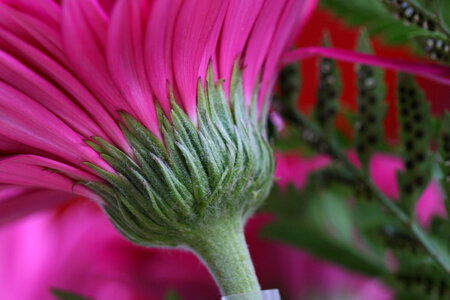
x=221 y=245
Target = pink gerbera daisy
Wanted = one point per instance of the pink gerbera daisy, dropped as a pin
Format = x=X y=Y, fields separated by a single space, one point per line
x=154 y=109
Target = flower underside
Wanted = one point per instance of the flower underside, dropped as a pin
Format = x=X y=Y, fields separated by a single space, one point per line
x=221 y=168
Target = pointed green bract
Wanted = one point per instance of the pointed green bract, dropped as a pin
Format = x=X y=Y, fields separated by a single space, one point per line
x=369 y=129
x=414 y=116
x=161 y=195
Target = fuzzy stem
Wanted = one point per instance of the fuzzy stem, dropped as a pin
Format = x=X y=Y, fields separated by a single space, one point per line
x=222 y=247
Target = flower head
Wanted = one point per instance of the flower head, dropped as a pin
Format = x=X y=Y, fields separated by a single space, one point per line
x=69 y=71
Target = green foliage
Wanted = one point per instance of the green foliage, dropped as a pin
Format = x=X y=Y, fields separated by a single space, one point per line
x=64 y=295
x=444 y=14
x=416 y=279
x=429 y=15
x=289 y=84
x=421 y=23
x=414 y=115
x=376 y=17
x=321 y=223
x=369 y=133
x=328 y=92
x=444 y=151
x=436 y=47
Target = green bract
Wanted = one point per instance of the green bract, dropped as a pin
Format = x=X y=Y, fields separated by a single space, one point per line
x=222 y=168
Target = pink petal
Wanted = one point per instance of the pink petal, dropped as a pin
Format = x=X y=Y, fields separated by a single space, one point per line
x=430 y=204
x=26 y=121
x=309 y=6
x=32 y=171
x=17 y=75
x=61 y=78
x=9 y=147
x=195 y=37
x=259 y=43
x=239 y=21
x=294 y=12
x=292 y=169
x=125 y=53
x=158 y=49
x=32 y=30
x=383 y=171
x=46 y=10
x=17 y=202
x=84 y=29
x=107 y=5
x=428 y=70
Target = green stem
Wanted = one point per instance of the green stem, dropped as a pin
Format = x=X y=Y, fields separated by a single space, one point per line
x=320 y=142
x=222 y=247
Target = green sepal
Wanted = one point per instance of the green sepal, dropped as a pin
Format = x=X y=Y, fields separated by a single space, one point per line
x=168 y=188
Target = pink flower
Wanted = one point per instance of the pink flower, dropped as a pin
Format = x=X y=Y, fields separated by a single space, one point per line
x=67 y=69
x=294 y=169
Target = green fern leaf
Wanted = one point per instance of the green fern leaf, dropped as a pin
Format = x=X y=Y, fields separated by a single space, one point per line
x=415 y=120
x=444 y=151
x=328 y=92
x=369 y=135
x=376 y=17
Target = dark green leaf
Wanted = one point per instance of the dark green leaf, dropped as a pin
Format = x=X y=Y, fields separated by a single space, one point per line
x=444 y=151
x=290 y=83
x=436 y=46
x=64 y=295
x=320 y=222
x=445 y=14
x=369 y=129
x=321 y=245
x=328 y=93
x=420 y=279
x=415 y=120
x=376 y=17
